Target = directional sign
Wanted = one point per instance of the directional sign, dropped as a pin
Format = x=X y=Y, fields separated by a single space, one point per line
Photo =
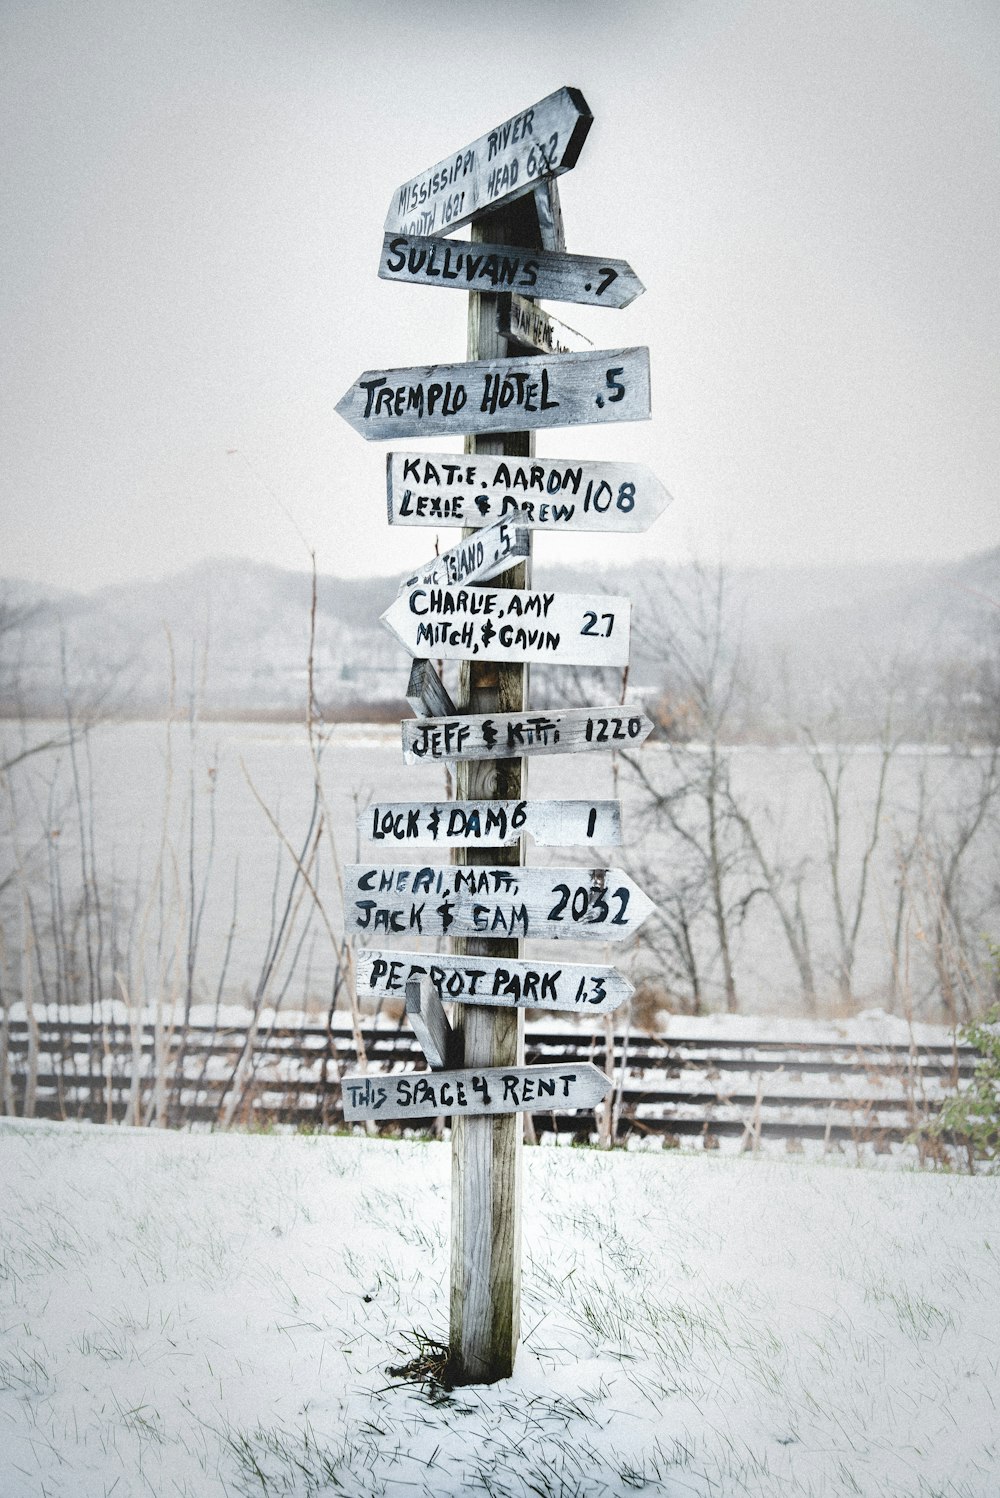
x=508 y=735
x=500 y=395
x=504 y=984
x=475 y=559
x=502 y=165
x=492 y=900
x=505 y=624
x=492 y=824
x=498 y=268
x=556 y=494
x=495 y=1089
x=524 y=323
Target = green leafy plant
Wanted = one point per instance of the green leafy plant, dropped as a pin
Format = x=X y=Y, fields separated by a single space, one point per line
x=972 y=1116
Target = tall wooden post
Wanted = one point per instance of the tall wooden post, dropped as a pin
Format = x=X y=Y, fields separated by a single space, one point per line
x=486 y=1152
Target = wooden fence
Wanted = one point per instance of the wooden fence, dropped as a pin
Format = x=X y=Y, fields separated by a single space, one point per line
x=677 y=1088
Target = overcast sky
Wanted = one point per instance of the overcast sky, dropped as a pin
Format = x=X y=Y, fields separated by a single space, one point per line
x=193 y=197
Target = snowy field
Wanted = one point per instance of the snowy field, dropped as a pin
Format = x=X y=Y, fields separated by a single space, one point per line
x=216 y=1315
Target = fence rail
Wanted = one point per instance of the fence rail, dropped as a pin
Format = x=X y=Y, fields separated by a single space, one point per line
x=673 y=1087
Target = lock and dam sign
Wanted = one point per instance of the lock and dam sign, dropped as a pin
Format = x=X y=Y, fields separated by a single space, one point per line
x=500 y=395
x=500 y=901
x=503 y=983
x=553 y=277
x=553 y=494
x=509 y=735
x=504 y=164
x=507 y=624
x=492 y=824
x=514 y=1089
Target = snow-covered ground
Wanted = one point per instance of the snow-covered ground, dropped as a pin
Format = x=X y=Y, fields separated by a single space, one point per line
x=211 y=1315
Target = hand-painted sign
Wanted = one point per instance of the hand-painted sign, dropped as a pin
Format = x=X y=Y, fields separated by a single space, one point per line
x=557 y=494
x=500 y=395
x=495 y=982
x=543 y=141
x=493 y=900
x=497 y=268
x=492 y=824
x=509 y=735
x=506 y=624
x=495 y=1089
x=476 y=558
x=526 y=324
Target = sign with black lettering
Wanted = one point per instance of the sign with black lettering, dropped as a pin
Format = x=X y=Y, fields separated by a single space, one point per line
x=490 y=900
x=522 y=322
x=507 y=162
x=506 y=624
x=509 y=735
x=500 y=395
x=492 y=824
x=554 y=494
x=495 y=1089
x=476 y=558
x=510 y=983
x=497 y=268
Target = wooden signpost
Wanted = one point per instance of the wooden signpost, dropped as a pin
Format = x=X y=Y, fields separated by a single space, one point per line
x=504 y=624
x=554 y=494
x=498 y=168
x=575 y=904
x=500 y=395
x=504 y=983
x=486 y=901
x=570 y=730
x=587 y=279
x=488 y=1090
x=492 y=824
x=476 y=558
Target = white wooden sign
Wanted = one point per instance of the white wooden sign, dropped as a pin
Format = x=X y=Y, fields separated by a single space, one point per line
x=507 y=983
x=476 y=558
x=500 y=395
x=492 y=900
x=517 y=1089
x=585 y=279
x=507 y=162
x=507 y=624
x=522 y=322
x=555 y=494
x=492 y=824
x=509 y=735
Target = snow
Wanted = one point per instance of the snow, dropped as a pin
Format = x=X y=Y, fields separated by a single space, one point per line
x=215 y=1315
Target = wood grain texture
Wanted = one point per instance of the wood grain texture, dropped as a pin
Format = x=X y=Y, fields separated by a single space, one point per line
x=428 y=1021
x=589 y=280
x=493 y=736
x=426 y=692
x=473 y=1092
x=505 y=624
x=491 y=824
x=528 y=327
x=553 y=494
x=499 y=395
x=499 y=167
x=575 y=987
x=475 y=559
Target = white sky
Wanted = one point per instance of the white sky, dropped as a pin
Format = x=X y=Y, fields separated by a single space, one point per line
x=192 y=206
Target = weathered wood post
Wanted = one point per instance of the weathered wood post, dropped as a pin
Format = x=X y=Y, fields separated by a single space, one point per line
x=486 y=1152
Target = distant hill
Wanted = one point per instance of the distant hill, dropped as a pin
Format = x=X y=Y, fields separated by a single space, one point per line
x=236 y=634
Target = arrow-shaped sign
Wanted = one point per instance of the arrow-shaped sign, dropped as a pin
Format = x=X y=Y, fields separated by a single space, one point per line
x=493 y=1089
x=555 y=494
x=505 y=984
x=500 y=395
x=506 y=624
x=491 y=900
x=498 y=268
x=509 y=735
x=507 y=162
x=492 y=824
x=475 y=559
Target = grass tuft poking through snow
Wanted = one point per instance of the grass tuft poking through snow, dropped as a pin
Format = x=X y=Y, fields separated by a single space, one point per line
x=231 y=1315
